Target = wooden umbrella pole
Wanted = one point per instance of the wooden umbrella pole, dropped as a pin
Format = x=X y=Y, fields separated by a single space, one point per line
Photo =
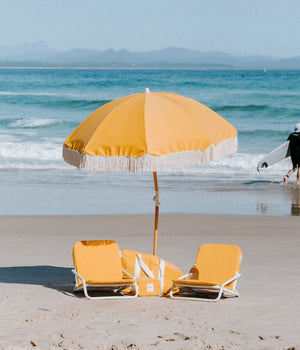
x=156 y=199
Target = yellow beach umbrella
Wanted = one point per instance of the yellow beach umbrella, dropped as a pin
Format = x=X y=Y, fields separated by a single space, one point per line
x=151 y=131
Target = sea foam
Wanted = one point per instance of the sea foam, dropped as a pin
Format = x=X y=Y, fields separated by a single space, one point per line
x=32 y=122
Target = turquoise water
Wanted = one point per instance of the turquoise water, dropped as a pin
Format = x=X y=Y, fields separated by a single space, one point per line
x=40 y=107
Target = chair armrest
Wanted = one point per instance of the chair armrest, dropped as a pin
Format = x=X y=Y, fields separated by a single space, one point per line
x=77 y=275
x=231 y=280
x=186 y=276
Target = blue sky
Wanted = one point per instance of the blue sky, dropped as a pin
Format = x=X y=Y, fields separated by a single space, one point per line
x=246 y=27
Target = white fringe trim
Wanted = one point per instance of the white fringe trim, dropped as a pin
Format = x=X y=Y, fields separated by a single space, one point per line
x=148 y=162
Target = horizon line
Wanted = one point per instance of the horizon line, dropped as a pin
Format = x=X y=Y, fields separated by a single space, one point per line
x=234 y=54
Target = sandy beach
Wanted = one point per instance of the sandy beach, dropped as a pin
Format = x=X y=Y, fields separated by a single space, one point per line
x=39 y=310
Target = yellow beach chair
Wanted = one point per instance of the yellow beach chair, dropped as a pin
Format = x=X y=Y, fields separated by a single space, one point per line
x=97 y=266
x=215 y=273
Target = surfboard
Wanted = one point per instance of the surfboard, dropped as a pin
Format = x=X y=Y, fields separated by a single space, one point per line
x=275 y=156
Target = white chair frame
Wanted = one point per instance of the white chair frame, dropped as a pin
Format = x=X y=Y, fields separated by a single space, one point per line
x=109 y=286
x=219 y=289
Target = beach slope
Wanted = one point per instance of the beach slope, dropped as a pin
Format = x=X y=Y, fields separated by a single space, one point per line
x=39 y=310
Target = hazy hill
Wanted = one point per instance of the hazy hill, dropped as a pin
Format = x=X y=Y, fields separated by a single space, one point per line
x=40 y=54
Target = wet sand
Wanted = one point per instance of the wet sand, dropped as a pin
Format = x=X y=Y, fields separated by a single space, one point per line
x=39 y=310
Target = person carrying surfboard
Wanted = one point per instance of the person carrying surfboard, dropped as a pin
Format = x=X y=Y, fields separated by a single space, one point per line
x=294 y=139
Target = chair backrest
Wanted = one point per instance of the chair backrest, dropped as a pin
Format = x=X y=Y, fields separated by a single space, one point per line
x=218 y=263
x=97 y=261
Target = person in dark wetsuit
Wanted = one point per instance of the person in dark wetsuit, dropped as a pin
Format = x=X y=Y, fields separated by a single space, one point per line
x=294 y=139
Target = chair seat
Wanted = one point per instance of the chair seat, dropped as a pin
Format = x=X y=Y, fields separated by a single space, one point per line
x=117 y=282
x=192 y=282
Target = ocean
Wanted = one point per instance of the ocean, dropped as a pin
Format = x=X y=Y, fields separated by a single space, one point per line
x=39 y=108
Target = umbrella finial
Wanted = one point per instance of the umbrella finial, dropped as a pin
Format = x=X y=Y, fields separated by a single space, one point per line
x=147 y=90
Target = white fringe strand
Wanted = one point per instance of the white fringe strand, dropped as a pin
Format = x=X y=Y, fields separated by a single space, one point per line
x=148 y=162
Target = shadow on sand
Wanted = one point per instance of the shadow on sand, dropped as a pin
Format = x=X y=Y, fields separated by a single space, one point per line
x=259 y=182
x=54 y=277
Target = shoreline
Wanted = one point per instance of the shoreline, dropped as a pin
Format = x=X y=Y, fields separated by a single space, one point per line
x=38 y=304
x=49 y=193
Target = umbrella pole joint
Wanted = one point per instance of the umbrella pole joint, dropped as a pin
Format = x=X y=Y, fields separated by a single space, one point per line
x=156 y=199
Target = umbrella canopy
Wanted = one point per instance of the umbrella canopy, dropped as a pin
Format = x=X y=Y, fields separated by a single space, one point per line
x=151 y=131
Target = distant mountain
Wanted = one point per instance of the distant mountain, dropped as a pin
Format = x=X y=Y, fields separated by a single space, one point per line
x=37 y=51
x=40 y=54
